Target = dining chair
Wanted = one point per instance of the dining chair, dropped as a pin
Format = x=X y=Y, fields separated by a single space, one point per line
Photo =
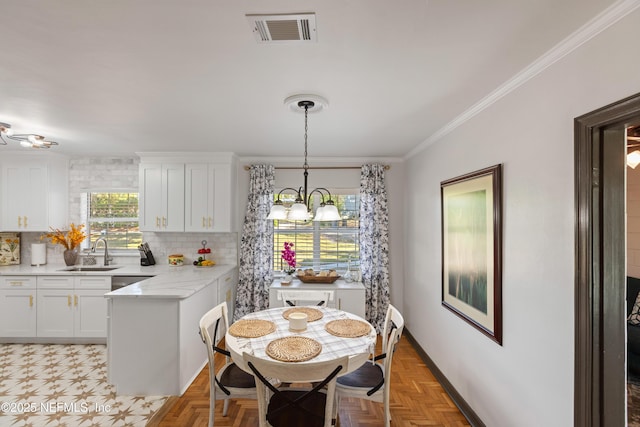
x=371 y=381
x=230 y=381
x=296 y=406
x=305 y=297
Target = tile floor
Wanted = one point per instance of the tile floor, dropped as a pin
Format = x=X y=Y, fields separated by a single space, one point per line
x=65 y=385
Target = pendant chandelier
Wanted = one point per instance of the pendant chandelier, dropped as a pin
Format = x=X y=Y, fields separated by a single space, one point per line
x=300 y=211
x=26 y=140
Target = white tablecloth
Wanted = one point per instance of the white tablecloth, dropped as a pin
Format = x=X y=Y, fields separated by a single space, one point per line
x=332 y=347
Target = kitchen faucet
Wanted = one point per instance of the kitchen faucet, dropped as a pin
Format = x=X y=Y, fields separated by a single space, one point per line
x=107 y=258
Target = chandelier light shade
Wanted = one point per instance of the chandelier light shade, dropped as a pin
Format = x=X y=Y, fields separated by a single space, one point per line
x=25 y=140
x=299 y=211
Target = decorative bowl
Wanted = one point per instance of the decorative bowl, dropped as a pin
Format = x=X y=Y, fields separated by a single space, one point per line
x=317 y=279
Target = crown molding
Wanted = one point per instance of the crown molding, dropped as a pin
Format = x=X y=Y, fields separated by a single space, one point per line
x=592 y=28
x=318 y=161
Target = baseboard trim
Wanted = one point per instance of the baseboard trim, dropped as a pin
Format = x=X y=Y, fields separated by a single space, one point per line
x=464 y=407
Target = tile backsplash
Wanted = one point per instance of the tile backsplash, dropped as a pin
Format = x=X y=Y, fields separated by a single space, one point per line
x=224 y=248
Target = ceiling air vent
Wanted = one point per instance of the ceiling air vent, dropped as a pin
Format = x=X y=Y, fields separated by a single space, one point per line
x=284 y=28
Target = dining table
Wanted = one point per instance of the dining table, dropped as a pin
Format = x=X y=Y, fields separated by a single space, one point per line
x=333 y=334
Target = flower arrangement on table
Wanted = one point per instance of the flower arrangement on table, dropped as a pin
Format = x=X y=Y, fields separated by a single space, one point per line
x=69 y=239
x=289 y=256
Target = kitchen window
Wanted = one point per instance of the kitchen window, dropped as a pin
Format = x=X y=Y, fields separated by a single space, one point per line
x=321 y=245
x=115 y=216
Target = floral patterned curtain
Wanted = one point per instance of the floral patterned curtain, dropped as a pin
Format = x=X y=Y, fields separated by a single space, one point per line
x=374 y=243
x=256 y=246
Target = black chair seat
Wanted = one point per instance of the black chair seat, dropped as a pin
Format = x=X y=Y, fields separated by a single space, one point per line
x=233 y=376
x=293 y=416
x=366 y=376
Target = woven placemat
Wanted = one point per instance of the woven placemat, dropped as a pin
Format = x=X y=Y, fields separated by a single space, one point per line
x=312 y=313
x=251 y=328
x=293 y=349
x=347 y=328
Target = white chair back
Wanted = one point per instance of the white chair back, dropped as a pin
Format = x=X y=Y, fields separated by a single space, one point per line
x=213 y=325
x=288 y=372
x=296 y=297
x=372 y=381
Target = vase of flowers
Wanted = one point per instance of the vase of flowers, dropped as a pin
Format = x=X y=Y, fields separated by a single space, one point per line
x=289 y=256
x=69 y=239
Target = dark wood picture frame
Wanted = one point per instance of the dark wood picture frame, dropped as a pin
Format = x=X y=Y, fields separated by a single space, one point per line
x=471 y=207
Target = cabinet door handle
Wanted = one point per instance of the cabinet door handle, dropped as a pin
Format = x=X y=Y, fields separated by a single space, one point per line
x=164 y=222
x=15 y=283
x=30 y=300
x=75 y=300
x=19 y=221
x=25 y=222
x=157 y=222
x=203 y=222
x=227 y=279
x=69 y=300
x=210 y=221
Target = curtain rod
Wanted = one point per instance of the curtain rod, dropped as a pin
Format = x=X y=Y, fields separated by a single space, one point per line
x=386 y=167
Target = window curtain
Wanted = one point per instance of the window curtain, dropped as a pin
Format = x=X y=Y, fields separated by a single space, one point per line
x=374 y=243
x=256 y=245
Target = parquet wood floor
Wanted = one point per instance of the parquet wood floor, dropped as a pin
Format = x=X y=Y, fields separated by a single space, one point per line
x=417 y=399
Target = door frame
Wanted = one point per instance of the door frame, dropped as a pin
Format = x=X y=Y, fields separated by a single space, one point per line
x=599 y=302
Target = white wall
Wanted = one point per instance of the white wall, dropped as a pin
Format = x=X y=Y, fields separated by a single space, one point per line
x=349 y=178
x=529 y=380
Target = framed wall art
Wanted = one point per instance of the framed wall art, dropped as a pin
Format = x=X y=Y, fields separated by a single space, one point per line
x=9 y=248
x=472 y=249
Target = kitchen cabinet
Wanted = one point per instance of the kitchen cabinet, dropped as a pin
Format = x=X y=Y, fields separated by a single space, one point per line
x=208 y=197
x=17 y=306
x=181 y=192
x=72 y=306
x=34 y=193
x=161 y=197
x=351 y=300
x=347 y=296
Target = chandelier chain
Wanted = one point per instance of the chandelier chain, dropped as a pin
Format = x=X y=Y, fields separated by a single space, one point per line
x=306 y=128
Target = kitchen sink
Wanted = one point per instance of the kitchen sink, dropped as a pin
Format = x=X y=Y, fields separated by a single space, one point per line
x=89 y=269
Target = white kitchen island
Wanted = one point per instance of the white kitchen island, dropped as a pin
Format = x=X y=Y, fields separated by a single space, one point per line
x=153 y=343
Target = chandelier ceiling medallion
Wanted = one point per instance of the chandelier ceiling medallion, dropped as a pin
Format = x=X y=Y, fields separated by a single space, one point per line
x=300 y=210
x=26 y=140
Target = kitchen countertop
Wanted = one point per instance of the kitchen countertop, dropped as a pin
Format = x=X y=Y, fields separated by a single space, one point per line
x=168 y=281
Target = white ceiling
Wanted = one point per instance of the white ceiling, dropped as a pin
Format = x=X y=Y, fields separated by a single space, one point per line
x=119 y=76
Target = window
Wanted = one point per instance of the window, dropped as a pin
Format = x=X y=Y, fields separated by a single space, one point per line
x=114 y=215
x=321 y=245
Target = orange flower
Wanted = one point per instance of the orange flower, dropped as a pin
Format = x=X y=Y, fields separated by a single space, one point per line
x=69 y=239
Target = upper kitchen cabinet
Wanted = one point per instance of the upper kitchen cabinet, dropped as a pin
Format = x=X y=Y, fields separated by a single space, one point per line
x=34 y=192
x=161 y=200
x=191 y=193
x=209 y=188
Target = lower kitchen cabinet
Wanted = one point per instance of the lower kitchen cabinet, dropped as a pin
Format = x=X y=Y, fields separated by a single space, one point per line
x=90 y=319
x=72 y=307
x=18 y=306
x=55 y=312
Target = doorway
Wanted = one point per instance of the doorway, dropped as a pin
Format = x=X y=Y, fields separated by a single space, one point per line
x=600 y=281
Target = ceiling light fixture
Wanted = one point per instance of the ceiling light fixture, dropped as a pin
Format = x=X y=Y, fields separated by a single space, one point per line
x=300 y=211
x=26 y=140
x=633 y=159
